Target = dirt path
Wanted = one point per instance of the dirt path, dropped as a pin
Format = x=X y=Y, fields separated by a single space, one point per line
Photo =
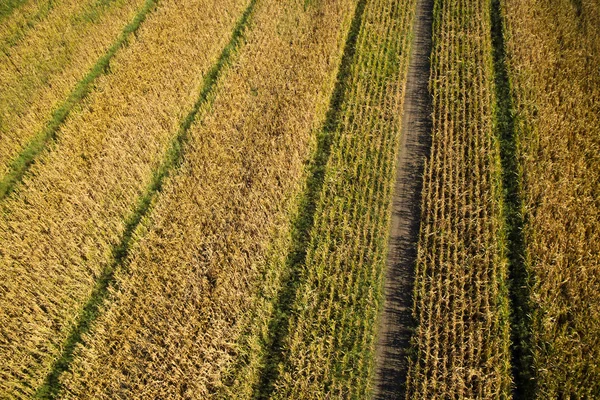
x=396 y=319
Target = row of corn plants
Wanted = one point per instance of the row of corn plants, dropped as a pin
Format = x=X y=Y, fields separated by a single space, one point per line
x=553 y=53
x=461 y=340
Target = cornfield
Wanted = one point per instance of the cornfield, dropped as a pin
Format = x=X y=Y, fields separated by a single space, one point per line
x=554 y=53
x=237 y=185
x=59 y=230
x=41 y=65
x=461 y=342
x=199 y=199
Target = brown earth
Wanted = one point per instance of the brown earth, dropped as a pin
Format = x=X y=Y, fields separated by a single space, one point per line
x=396 y=323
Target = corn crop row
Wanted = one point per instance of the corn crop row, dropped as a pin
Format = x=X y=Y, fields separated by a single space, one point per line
x=330 y=345
x=461 y=342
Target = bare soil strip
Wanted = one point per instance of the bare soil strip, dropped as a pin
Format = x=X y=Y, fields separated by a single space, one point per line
x=396 y=320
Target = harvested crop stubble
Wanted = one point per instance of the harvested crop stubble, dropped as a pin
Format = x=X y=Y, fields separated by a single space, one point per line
x=60 y=228
x=330 y=346
x=553 y=57
x=461 y=342
x=38 y=71
x=174 y=323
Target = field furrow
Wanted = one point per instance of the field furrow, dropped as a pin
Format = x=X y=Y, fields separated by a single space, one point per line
x=553 y=53
x=179 y=319
x=61 y=230
x=328 y=351
x=42 y=67
x=461 y=342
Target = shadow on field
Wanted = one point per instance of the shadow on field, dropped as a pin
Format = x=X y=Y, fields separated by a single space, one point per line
x=520 y=278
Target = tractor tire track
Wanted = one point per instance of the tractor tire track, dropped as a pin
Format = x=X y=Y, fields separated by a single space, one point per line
x=396 y=322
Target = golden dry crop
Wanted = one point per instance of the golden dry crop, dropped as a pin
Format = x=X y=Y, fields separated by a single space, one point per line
x=553 y=57
x=42 y=65
x=175 y=327
x=299 y=199
x=18 y=16
x=60 y=228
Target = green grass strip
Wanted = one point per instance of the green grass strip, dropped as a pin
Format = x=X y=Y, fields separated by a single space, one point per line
x=21 y=164
x=278 y=327
x=172 y=160
x=520 y=279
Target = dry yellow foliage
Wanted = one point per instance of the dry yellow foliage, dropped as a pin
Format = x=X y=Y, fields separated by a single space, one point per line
x=554 y=54
x=59 y=228
x=461 y=340
x=176 y=322
x=41 y=68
